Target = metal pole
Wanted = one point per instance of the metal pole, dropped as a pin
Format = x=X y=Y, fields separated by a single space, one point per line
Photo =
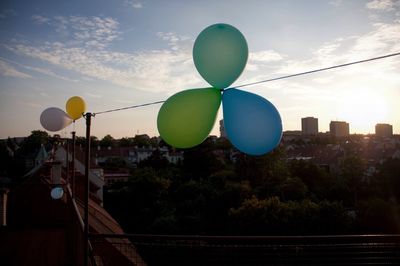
x=86 y=193
x=67 y=163
x=73 y=165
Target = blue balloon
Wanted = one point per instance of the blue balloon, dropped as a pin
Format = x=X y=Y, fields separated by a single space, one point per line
x=252 y=123
x=57 y=193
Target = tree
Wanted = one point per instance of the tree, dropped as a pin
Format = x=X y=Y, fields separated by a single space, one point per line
x=352 y=171
x=80 y=141
x=378 y=216
x=94 y=141
x=114 y=163
x=156 y=161
x=273 y=217
x=141 y=202
x=5 y=159
x=141 y=140
x=33 y=142
x=293 y=189
x=266 y=173
x=125 y=142
x=386 y=183
x=314 y=177
x=107 y=141
x=200 y=162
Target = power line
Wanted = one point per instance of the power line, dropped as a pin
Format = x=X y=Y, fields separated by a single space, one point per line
x=269 y=80
x=129 y=107
x=319 y=70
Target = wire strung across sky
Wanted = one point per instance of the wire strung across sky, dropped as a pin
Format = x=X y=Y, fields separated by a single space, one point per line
x=129 y=107
x=267 y=80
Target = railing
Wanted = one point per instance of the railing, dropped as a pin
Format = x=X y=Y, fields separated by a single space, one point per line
x=78 y=236
x=257 y=250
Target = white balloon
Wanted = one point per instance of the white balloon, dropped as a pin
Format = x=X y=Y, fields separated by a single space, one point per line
x=54 y=119
x=57 y=193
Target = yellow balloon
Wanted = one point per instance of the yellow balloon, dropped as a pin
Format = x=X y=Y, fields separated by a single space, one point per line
x=75 y=107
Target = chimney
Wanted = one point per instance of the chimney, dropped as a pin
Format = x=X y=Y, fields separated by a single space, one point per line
x=3 y=206
x=56 y=173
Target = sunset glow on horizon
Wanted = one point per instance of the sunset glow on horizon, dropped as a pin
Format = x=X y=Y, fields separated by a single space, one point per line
x=363 y=109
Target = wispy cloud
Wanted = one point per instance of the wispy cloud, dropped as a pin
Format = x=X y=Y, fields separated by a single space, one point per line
x=40 y=70
x=38 y=19
x=134 y=4
x=92 y=32
x=43 y=94
x=124 y=101
x=171 y=69
x=260 y=59
x=266 y=56
x=176 y=42
x=383 y=39
x=7 y=69
x=336 y=2
x=382 y=5
x=92 y=95
x=30 y=104
x=156 y=70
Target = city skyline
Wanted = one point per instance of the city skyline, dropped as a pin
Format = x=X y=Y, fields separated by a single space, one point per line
x=134 y=52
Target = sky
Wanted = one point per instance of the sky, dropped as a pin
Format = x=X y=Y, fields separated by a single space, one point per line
x=121 y=53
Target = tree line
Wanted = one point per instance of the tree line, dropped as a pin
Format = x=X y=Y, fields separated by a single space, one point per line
x=209 y=193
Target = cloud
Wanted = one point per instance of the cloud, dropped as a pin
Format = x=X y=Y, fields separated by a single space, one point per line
x=92 y=32
x=384 y=38
x=381 y=5
x=260 y=59
x=38 y=19
x=134 y=4
x=323 y=80
x=176 y=42
x=336 y=2
x=155 y=70
x=92 y=95
x=30 y=104
x=44 y=71
x=43 y=94
x=266 y=56
x=171 y=69
x=7 y=69
x=50 y=73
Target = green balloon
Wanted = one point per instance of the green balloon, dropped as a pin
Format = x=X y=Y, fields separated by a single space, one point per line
x=186 y=118
x=220 y=54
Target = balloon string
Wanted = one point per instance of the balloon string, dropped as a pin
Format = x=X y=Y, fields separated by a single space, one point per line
x=268 y=80
x=129 y=107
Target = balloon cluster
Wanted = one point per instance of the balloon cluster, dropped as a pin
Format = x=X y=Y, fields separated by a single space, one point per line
x=252 y=123
x=55 y=119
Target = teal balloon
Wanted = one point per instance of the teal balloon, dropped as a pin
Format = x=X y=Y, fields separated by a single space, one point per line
x=220 y=54
x=187 y=118
x=252 y=124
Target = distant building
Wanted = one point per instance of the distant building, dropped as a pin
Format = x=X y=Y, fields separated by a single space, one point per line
x=383 y=130
x=290 y=135
x=339 y=128
x=115 y=176
x=222 y=131
x=309 y=126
